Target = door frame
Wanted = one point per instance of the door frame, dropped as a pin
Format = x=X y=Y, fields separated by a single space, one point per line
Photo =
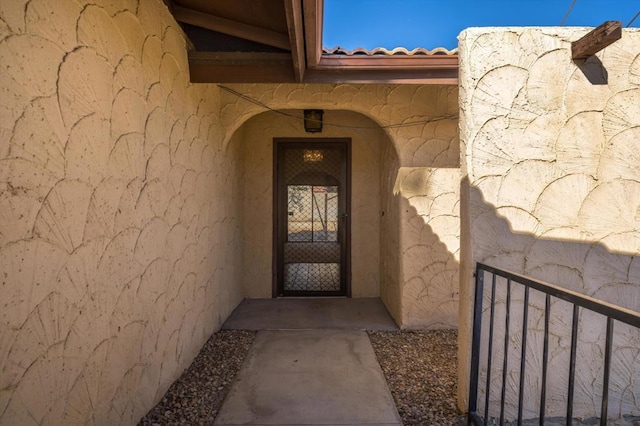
x=279 y=144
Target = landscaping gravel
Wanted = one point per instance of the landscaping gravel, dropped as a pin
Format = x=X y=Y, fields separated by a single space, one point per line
x=421 y=371
x=196 y=397
x=420 y=368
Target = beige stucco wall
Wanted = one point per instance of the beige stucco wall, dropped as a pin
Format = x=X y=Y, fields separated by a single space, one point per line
x=390 y=288
x=430 y=238
x=552 y=190
x=257 y=170
x=420 y=230
x=118 y=238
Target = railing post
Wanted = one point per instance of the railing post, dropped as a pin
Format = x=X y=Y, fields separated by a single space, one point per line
x=523 y=353
x=475 y=344
x=545 y=358
x=505 y=363
x=492 y=312
x=604 y=412
x=572 y=363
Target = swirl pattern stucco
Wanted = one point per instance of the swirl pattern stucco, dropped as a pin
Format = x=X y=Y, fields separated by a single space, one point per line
x=552 y=191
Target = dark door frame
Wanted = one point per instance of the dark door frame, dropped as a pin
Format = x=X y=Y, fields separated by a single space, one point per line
x=278 y=232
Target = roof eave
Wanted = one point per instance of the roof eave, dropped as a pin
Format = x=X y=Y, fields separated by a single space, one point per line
x=307 y=63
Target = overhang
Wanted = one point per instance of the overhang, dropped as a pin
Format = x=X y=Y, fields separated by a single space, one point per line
x=280 y=41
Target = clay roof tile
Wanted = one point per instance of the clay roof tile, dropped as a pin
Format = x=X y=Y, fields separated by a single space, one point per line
x=398 y=51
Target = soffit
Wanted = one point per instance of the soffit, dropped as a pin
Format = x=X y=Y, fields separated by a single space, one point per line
x=280 y=41
x=266 y=14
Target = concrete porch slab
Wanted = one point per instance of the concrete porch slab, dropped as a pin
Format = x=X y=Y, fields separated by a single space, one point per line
x=310 y=377
x=310 y=314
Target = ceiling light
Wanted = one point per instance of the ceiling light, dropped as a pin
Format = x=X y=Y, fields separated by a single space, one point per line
x=313 y=120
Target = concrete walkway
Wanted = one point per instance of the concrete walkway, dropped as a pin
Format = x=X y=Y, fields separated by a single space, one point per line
x=308 y=376
x=311 y=314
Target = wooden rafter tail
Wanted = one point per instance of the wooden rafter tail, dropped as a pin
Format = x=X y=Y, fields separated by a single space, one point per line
x=313 y=11
x=295 y=25
x=596 y=40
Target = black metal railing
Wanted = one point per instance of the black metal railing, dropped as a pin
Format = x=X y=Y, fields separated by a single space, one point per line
x=578 y=302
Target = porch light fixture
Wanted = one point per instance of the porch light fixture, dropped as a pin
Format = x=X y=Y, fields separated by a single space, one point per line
x=313 y=120
x=312 y=155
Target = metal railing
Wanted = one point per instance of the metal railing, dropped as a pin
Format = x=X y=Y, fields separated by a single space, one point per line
x=578 y=302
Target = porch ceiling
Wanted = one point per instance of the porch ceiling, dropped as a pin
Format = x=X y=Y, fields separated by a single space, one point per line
x=280 y=41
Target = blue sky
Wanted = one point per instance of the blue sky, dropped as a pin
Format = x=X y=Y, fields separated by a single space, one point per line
x=436 y=23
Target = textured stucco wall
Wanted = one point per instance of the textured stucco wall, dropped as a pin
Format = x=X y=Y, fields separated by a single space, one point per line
x=118 y=238
x=552 y=190
x=422 y=223
x=257 y=164
x=430 y=236
x=390 y=288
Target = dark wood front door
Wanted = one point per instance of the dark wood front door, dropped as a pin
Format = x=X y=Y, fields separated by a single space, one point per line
x=312 y=221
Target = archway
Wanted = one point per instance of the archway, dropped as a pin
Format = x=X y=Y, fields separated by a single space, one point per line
x=375 y=266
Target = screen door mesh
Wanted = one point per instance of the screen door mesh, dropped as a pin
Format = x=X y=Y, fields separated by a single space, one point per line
x=312 y=248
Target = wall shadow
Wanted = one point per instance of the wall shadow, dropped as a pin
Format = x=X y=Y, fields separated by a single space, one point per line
x=429 y=265
x=586 y=267
x=593 y=69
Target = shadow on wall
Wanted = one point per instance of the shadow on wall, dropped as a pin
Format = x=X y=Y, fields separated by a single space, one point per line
x=594 y=70
x=430 y=290
x=585 y=267
x=428 y=203
x=424 y=193
x=390 y=292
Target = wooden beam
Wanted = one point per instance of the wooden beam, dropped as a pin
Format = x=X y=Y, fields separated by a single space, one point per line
x=596 y=40
x=233 y=28
x=385 y=62
x=244 y=67
x=293 y=9
x=240 y=67
x=312 y=11
x=435 y=76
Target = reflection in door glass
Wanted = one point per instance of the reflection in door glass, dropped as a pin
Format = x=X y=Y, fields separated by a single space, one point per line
x=312 y=213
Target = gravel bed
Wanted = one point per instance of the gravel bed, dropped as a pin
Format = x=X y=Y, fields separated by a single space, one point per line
x=420 y=368
x=196 y=397
x=421 y=371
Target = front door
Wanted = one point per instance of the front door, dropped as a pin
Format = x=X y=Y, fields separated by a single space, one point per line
x=312 y=217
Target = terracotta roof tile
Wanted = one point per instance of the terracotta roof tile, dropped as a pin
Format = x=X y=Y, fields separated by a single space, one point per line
x=398 y=51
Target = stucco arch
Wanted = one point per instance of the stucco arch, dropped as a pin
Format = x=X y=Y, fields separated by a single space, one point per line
x=428 y=135
x=420 y=186
x=374 y=169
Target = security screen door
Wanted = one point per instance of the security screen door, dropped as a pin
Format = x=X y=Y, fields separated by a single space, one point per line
x=312 y=217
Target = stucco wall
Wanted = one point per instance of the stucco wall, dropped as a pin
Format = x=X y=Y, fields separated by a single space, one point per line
x=118 y=238
x=390 y=287
x=552 y=190
x=257 y=169
x=430 y=239
x=424 y=184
